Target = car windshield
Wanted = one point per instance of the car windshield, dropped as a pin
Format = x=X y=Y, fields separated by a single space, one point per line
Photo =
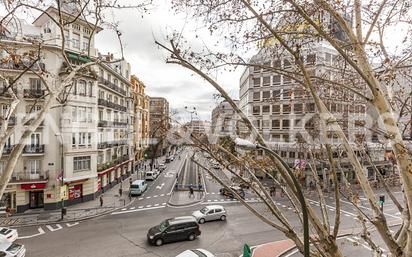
x=4 y=231
x=135 y=186
x=204 y=210
x=199 y=253
x=164 y=225
x=14 y=248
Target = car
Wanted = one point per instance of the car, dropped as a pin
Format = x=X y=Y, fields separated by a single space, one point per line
x=162 y=167
x=171 y=158
x=168 y=160
x=150 y=175
x=226 y=192
x=196 y=253
x=216 y=166
x=138 y=187
x=209 y=213
x=8 y=234
x=8 y=249
x=174 y=229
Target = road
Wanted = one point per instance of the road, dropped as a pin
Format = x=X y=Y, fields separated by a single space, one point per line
x=123 y=232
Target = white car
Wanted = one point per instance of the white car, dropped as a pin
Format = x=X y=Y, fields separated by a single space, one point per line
x=8 y=249
x=196 y=253
x=8 y=235
x=150 y=175
x=209 y=213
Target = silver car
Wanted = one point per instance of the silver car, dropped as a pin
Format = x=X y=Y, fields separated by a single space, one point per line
x=211 y=212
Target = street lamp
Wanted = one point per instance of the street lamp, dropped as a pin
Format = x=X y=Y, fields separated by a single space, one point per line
x=63 y=211
x=247 y=144
x=191 y=113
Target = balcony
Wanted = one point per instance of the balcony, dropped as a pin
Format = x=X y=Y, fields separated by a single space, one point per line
x=12 y=121
x=108 y=104
x=33 y=149
x=104 y=123
x=110 y=144
x=27 y=176
x=112 y=86
x=10 y=65
x=7 y=149
x=33 y=93
x=116 y=160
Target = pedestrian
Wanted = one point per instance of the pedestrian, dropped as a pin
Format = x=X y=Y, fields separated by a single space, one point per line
x=282 y=192
x=120 y=191
x=101 y=201
x=130 y=182
x=130 y=196
x=190 y=191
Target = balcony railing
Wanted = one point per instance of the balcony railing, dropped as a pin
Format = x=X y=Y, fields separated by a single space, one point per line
x=7 y=149
x=110 y=144
x=111 y=85
x=115 y=161
x=104 y=123
x=29 y=176
x=109 y=104
x=33 y=149
x=33 y=93
x=10 y=65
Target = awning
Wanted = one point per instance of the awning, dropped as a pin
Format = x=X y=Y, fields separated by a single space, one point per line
x=78 y=178
x=74 y=56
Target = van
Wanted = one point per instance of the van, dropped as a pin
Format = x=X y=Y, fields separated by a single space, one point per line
x=174 y=229
x=150 y=175
x=138 y=187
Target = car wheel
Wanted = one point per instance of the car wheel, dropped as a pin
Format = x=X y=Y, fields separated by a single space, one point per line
x=223 y=218
x=159 y=242
x=201 y=221
x=192 y=237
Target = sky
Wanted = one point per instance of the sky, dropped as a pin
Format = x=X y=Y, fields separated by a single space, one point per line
x=178 y=85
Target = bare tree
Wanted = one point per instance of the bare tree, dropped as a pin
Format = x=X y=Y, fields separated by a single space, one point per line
x=362 y=68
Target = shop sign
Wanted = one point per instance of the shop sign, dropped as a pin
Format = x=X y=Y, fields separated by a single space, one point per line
x=99 y=183
x=33 y=186
x=75 y=192
x=63 y=192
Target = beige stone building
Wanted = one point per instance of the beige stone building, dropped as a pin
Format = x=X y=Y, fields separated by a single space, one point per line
x=159 y=124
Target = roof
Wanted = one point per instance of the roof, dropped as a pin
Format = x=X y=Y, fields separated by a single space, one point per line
x=214 y=206
x=137 y=181
x=181 y=219
x=41 y=19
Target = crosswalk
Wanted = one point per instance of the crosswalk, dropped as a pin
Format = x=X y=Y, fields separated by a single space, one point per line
x=38 y=231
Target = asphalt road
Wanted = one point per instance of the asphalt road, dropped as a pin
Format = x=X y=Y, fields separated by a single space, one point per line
x=123 y=233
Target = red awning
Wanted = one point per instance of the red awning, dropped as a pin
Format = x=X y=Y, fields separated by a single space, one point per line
x=33 y=186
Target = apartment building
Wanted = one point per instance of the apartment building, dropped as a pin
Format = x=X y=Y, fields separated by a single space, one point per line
x=224 y=120
x=159 y=123
x=141 y=106
x=199 y=126
x=284 y=112
x=87 y=143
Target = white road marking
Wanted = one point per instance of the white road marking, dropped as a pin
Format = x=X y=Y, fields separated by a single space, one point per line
x=41 y=232
x=148 y=206
x=160 y=186
x=58 y=227
x=140 y=207
x=163 y=203
x=145 y=209
x=148 y=197
x=132 y=208
x=156 y=204
x=72 y=224
x=162 y=195
x=155 y=196
x=124 y=209
x=141 y=198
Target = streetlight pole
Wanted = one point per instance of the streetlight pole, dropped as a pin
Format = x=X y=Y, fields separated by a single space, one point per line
x=301 y=198
x=62 y=172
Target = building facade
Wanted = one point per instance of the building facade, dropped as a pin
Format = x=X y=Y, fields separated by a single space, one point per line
x=83 y=147
x=159 y=124
x=224 y=119
x=141 y=106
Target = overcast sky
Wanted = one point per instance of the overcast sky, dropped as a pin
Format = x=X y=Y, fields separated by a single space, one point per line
x=179 y=86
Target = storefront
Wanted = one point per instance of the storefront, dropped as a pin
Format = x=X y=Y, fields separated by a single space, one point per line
x=36 y=194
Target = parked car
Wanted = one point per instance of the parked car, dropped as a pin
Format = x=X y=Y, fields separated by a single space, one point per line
x=168 y=160
x=8 y=249
x=8 y=234
x=209 y=213
x=226 y=192
x=216 y=166
x=150 y=175
x=196 y=253
x=162 y=167
x=174 y=229
x=138 y=187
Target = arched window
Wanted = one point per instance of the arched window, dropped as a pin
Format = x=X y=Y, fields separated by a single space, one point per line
x=90 y=89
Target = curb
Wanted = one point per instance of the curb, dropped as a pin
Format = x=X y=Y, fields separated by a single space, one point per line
x=72 y=220
x=169 y=203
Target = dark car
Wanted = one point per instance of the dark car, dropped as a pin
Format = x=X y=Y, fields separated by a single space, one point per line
x=228 y=193
x=174 y=229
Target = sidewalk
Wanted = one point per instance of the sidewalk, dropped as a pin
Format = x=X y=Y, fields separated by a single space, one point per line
x=77 y=212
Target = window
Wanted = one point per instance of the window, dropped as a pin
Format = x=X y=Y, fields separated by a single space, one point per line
x=276 y=109
x=291 y=154
x=276 y=94
x=286 y=63
x=285 y=124
x=256 y=96
x=286 y=80
x=266 y=94
x=287 y=93
x=277 y=64
x=1 y=166
x=276 y=137
x=310 y=107
x=298 y=108
x=276 y=79
x=85 y=44
x=35 y=84
x=256 y=110
x=311 y=59
x=89 y=114
x=74 y=139
x=81 y=114
x=299 y=93
x=86 y=31
x=74 y=114
x=76 y=26
x=90 y=89
x=266 y=81
x=286 y=108
x=81 y=163
x=298 y=123
x=283 y=153
x=35 y=139
x=256 y=82
x=286 y=138
x=275 y=124
x=81 y=87
x=266 y=109
x=256 y=69
x=34 y=166
x=76 y=41
x=66 y=38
